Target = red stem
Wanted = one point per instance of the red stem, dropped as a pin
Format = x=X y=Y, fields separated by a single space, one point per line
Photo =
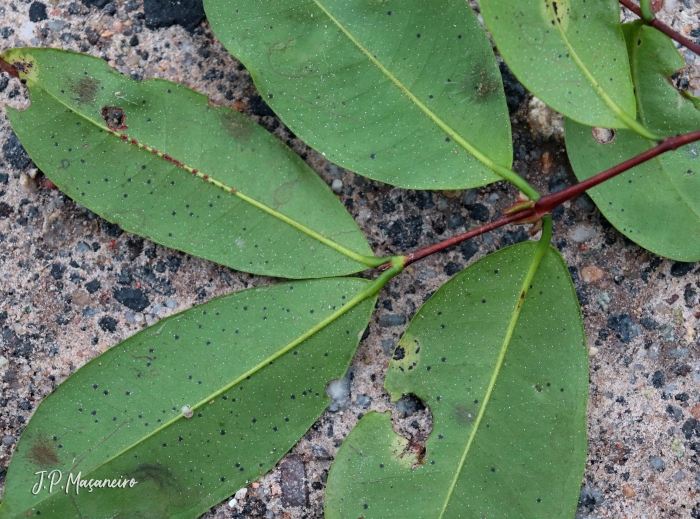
x=548 y=203
x=656 y=24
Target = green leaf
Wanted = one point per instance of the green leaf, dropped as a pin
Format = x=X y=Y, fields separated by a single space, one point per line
x=394 y=92
x=570 y=54
x=656 y=204
x=506 y=382
x=95 y=133
x=251 y=366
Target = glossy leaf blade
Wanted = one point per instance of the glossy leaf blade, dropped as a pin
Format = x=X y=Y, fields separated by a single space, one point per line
x=251 y=392
x=570 y=54
x=391 y=91
x=508 y=403
x=127 y=150
x=656 y=204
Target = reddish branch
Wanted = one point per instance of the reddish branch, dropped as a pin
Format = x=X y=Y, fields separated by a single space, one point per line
x=656 y=24
x=548 y=203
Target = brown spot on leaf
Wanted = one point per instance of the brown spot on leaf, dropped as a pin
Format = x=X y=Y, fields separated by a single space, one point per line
x=8 y=68
x=114 y=117
x=42 y=453
x=85 y=90
x=23 y=66
x=237 y=127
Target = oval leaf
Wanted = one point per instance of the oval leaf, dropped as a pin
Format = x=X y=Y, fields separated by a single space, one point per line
x=508 y=397
x=570 y=54
x=656 y=204
x=127 y=150
x=238 y=366
x=393 y=92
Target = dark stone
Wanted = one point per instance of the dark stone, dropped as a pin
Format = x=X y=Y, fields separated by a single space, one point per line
x=682 y=397
x=165 y=13
x=319 y=452
x=215 y=73
x=515 y=92
x=92 y=286
x=675 y=412
x=439 y=223
x=15 y=344
x=6 y=32
x=74 y=8
x=5 y=210
x=57 y=271
x=259 y=107
x=174 y=263
x=455 y=221
x=557 y=183
x=92 y=36
x=624 y=326
x=37 y=12
x=389 y=320
x=255 y=507
x=107 y=323
x=404 y=234
x=14 y=152
x=113 y=230
x=468 y=249
x=133 y=298
x=110 y=8
x=682 y=370
x=690 y=427
x=513 y=237
x=96 y=3
x=134 y=41
x=422 y=199
x=452 y=268
x=679 y=268
x=648 y=323
x=292 y=484
x=658 y=379
x=690 y=295
x=479 y=212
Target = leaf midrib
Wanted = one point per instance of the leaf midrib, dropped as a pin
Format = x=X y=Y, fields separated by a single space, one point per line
x=502 y=171
x=538 y=254
x=624 y=117
x=368 y=291
x=370 y=261
x=640 y=109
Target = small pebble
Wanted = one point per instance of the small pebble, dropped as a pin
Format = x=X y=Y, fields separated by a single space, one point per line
x=171 y=303
x=657 y=463
x=469 y=197
x=320 y=453
x=583 y=233
x=679 y=476
x=363 y=401
x=3 y=361
x=695 y=412
x=591 y=274
x=337 y=186
x=628 y=491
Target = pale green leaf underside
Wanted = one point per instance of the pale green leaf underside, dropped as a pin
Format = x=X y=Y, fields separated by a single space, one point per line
x=656 y=204
x=65 y=133
x=516 y=452
x=568 y=53
x=392 y=91
x=121 y=415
